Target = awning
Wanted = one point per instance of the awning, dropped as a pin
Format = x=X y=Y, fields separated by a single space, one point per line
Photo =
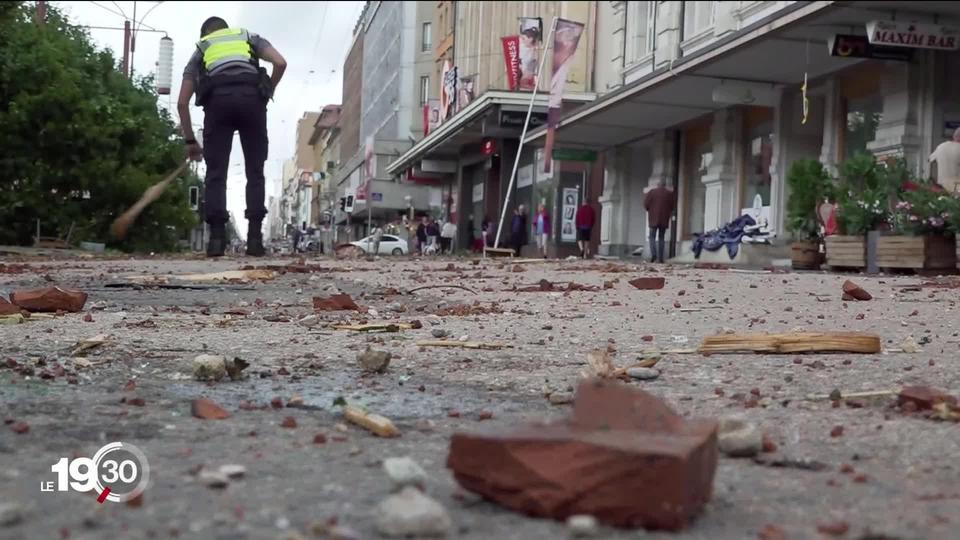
x=770 y=53
x=465 y=127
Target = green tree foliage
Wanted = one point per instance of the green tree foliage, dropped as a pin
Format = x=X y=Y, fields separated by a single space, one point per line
x=80 y=142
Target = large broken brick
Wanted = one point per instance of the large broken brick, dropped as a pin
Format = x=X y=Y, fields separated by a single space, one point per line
x=924 y=397
x=648 y=283
x=624 y=457
x=6 y=308
x=50 y=299
x=857 y=292
x=337 y=302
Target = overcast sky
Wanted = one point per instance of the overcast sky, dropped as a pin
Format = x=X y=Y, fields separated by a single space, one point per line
x=313 y=36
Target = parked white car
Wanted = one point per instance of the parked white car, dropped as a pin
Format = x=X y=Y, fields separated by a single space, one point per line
x=389 y=245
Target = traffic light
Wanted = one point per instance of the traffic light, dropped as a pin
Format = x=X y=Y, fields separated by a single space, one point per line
x=343 y=203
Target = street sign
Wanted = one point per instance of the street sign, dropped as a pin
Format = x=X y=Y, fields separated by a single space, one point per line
x=915 y=35
x=851 y=46
x=376 y=197
x=574 y=154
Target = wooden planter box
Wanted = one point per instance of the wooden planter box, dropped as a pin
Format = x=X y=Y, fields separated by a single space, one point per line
x=845 y=251
x=933 y=252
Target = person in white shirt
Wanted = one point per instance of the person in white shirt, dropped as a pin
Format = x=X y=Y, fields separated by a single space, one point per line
x=947 y=158
x=447 y=233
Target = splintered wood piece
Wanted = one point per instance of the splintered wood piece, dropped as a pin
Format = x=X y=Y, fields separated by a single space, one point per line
x=854 y=395
x=461 y=344
x=374 y=327
x=793 y=342
x=89 y=343
x=379 y=425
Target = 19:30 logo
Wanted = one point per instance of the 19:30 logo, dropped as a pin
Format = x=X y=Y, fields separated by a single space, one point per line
x=118 y=472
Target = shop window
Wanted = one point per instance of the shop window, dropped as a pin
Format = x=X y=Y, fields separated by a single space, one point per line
x=697 y=17
x=862 y=116
x=756 y=164
x=426 y=42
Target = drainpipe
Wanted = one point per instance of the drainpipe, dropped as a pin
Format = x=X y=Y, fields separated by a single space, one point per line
x=623 y=53
x=676 y=191
x=593 y=72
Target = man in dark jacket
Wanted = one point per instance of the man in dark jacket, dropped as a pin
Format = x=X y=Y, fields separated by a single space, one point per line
x=659 y=203
x=518 y=229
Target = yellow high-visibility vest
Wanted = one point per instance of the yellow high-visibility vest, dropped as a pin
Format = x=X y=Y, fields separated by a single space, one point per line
x=230 y=46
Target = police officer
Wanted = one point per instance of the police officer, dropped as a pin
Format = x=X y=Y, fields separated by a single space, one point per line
x=225 y=74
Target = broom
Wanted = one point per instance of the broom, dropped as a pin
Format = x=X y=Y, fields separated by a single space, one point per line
x=118 y=230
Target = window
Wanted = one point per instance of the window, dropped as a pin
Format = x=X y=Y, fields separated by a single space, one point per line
x=640 y=17
x=388 y=238
x=426 y=42
x=758 y=156
x=863 y=115
x=424 y=90
x=697 y=17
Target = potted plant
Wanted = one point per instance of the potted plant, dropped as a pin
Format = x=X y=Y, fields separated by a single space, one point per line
x=808 y=182
x=864 y=191
x=924 y=225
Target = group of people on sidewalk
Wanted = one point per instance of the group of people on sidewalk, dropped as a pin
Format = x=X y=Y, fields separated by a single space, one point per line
x=659 y=203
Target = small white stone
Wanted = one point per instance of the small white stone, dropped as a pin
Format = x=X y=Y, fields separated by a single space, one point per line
x=642 y=373
x=737 y=437
x=561 y=398
x=434 y=320
x=439 y=333
x=582 y=525
x=209 y=367
x=464 y=338
x=11 y=513
x=213 y=479
x=404 y=472
x=372 y=312
x=309 y=321
x=411 y=513
x=233 y=471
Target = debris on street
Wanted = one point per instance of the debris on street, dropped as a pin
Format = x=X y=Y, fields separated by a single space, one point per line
x=619 y=442
x=337 y=302
x=648 y=283
x=737 y=437
x=372 y=360
x=90 y=343
x=206 y=409
x=380 y=426
x=852 y=291
x=375 y=327
x=49 y=299
x=411 y=513
x=794 y=342
x=462 y=344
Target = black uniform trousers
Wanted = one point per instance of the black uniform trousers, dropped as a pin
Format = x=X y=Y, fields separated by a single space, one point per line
x=229 y=109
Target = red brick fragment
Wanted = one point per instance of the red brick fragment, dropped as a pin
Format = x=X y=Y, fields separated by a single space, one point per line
x=50 y=299
x=771 y=532
x=623 y=457
x=855 y=291
x=837 y=431
x=20 y=427
x=924 y=397
x=6 y=308
x=648 y=283
x=288 y=422
x=834 y=528
x=319 y=438
x=207 y=410
x=337 y=302
x=276 y=403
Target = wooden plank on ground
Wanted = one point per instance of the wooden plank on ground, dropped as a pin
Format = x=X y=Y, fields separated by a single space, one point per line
x=794 y=342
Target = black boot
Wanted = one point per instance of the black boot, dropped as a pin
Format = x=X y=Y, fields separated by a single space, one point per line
x=255 y=240
x=217 y=244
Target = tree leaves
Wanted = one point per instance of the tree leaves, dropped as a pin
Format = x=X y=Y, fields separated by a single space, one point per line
x=80 y=142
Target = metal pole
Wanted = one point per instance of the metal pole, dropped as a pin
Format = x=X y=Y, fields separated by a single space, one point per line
x=126 y=49
x=133 y=38
x=523 y=134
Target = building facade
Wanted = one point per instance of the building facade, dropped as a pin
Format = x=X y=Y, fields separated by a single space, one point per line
x=717 y=99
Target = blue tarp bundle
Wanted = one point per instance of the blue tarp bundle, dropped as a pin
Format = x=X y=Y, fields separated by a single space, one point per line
x=729 y=235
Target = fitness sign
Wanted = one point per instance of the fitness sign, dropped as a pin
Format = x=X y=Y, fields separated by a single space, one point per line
x=117 y=472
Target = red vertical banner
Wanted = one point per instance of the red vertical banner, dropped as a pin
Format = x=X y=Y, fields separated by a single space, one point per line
x=566 y=37
x=511 y=60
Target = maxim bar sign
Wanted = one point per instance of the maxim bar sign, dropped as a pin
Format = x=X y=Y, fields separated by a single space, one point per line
x=914 y=35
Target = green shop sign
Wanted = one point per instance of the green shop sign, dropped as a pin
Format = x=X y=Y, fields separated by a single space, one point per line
x=573 y=154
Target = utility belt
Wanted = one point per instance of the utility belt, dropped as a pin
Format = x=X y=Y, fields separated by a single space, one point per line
x=207 y=85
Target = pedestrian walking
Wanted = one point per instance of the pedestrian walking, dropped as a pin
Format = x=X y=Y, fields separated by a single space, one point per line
x=518 y=229
x=433 y=236
x=659 y=203
x=541 y=226
x=225 y=74
x=447 y=235
x=584 y=221
x=422 y=235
